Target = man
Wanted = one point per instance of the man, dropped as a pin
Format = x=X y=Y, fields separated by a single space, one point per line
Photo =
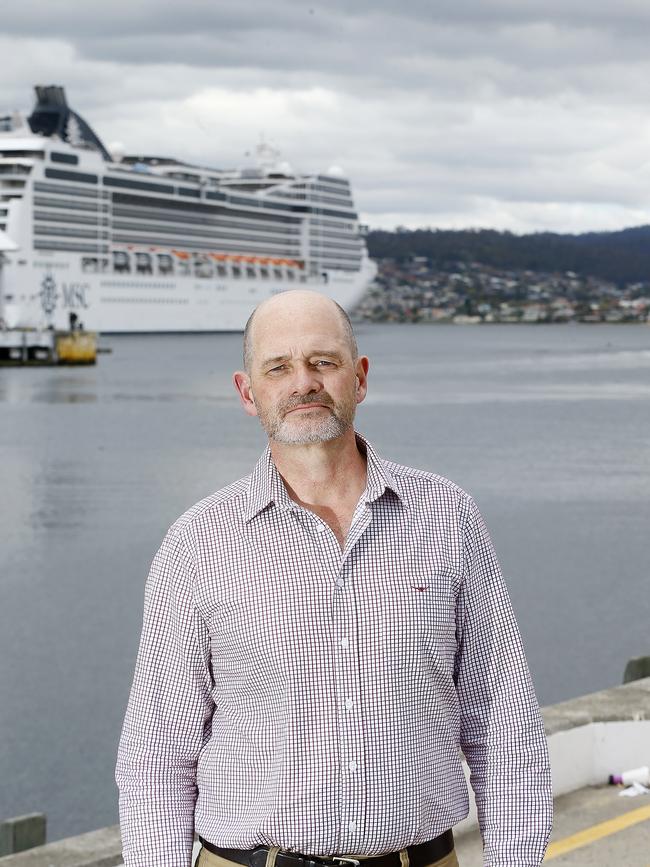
x=319 y=640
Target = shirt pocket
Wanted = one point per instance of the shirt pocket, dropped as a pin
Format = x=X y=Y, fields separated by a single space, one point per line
x=424 y=617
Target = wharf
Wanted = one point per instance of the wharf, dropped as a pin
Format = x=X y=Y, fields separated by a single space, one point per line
x=589 y=738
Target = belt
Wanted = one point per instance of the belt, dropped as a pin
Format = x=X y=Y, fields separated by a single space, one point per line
x=420 y=855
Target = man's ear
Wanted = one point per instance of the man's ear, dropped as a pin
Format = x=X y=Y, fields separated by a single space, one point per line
x=362 y=377
x=242 y=383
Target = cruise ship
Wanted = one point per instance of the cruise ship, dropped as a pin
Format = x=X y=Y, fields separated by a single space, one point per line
x=120 y=243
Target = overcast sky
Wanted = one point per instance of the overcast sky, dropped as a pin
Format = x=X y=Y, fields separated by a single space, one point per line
x=513 y=114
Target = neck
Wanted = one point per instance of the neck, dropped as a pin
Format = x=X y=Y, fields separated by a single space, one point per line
x=319 y=474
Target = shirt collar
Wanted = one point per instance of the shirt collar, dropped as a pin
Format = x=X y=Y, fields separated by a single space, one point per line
x=266 y=485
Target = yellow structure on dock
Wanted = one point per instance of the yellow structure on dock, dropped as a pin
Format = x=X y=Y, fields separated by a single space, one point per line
x=40 y=348
x=76 y=347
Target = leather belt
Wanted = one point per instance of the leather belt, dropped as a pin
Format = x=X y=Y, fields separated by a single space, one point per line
x=420 y=855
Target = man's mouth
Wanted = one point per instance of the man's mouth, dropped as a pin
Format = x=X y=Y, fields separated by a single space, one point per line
x=307 y=406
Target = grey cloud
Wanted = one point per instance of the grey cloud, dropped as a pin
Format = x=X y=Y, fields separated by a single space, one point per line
x=515 y=110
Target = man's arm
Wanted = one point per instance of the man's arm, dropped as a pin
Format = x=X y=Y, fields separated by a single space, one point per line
x=166 y=720
x=502 y=732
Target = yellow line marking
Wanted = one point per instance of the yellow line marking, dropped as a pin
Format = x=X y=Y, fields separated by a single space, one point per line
x=597 y=832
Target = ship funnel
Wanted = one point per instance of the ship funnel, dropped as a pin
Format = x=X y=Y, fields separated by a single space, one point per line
x=53 y=117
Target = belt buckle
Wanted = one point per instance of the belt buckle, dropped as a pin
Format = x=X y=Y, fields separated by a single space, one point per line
x=352 y=861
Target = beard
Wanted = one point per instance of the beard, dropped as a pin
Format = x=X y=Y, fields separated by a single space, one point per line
x=308 y=426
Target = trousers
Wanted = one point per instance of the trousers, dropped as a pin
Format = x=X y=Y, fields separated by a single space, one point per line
x=209 y=859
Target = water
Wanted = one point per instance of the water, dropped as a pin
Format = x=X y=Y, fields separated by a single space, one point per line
x=547 y=426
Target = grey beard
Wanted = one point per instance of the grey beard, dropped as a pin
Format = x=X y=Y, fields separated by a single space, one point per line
x=320 y=432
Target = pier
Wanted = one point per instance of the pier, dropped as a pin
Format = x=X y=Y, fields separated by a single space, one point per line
x=589 y=738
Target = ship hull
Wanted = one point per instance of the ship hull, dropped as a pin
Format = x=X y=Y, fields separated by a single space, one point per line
x=47 y=293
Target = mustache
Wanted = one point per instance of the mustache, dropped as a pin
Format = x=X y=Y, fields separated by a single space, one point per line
x=300 y=400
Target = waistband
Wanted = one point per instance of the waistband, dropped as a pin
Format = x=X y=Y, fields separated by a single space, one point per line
x=420 y=855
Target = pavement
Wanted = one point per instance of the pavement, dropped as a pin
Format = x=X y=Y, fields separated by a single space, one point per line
x=593 y=827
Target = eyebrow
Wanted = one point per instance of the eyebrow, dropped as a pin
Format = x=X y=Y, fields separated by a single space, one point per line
x=330 y=353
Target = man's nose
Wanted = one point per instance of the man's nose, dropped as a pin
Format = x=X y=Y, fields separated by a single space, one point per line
x=306 y=379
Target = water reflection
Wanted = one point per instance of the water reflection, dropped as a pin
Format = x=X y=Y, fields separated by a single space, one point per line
x=20 y=385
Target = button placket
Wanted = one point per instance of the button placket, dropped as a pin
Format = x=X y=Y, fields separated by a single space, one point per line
x=350 y=713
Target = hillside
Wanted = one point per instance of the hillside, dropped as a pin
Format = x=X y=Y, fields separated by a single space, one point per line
x=621 y=257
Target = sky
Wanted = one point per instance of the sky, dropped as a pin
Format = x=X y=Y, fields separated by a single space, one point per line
x=506 y=114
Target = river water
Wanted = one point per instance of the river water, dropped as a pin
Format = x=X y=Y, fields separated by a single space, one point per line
x=548 y=427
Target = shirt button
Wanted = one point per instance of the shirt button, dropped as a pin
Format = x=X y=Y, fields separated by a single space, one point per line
x=352 y=826
x=353 y=766
x=340 y=582
x=345 y=642
x=349 y=704
x=320 y=528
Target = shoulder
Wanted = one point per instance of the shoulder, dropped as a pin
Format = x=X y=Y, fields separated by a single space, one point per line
x=427 y=488
x=217 y=508
x=412 y=478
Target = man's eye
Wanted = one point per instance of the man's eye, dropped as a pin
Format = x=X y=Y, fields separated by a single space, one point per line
x=278 y=369
x=323 y=363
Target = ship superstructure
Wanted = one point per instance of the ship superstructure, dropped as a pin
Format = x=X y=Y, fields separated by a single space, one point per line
x=144 y=243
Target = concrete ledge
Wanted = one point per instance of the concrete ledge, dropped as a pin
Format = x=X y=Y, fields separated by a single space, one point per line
x=101 y=848
x=587 y=737
x=628 y=702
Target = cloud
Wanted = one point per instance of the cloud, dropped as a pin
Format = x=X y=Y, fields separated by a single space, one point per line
x=518 y=114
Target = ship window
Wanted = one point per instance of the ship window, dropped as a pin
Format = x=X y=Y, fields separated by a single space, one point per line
x=63 y=190
x=187 y=191
x=236 y=271
x=165 y=263
x=9 y=155
x=143 y=263
x=89 y=265
x=222 y=271
x=137 y=185
x=91 y=219
x=264 y=273
x=71 y=246
x=70 y=231
x=121 y=262
x=330 y=179
x=79 y=177
x=71 y=159
x=250 y=271
x=277 y=273
x=290 y=274
x=14 y=169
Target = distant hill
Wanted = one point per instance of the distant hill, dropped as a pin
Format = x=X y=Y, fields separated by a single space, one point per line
x=621 y=257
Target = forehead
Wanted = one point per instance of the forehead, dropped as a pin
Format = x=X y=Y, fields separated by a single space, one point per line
x=282 y=330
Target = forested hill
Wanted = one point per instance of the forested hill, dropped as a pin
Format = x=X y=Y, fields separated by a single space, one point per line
x=621 y=257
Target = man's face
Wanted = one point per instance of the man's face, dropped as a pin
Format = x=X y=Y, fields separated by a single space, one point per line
x=304 y=382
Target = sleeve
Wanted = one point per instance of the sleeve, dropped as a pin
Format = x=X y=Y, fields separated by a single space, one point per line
x=502 y=731
x=167 y=719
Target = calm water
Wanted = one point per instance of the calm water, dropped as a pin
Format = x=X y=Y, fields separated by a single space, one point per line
x=547 y=426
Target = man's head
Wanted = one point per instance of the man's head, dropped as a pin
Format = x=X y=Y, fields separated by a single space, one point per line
x=303 y=376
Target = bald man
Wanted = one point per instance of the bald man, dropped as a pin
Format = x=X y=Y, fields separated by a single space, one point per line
x=321 y=639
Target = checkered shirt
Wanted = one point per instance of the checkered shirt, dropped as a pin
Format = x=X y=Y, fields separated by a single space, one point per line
x=288 y=693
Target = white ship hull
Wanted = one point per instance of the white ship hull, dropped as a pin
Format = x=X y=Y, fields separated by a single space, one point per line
x=47 y=291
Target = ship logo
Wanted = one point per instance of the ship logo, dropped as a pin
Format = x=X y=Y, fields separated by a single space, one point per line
x=49 y=295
